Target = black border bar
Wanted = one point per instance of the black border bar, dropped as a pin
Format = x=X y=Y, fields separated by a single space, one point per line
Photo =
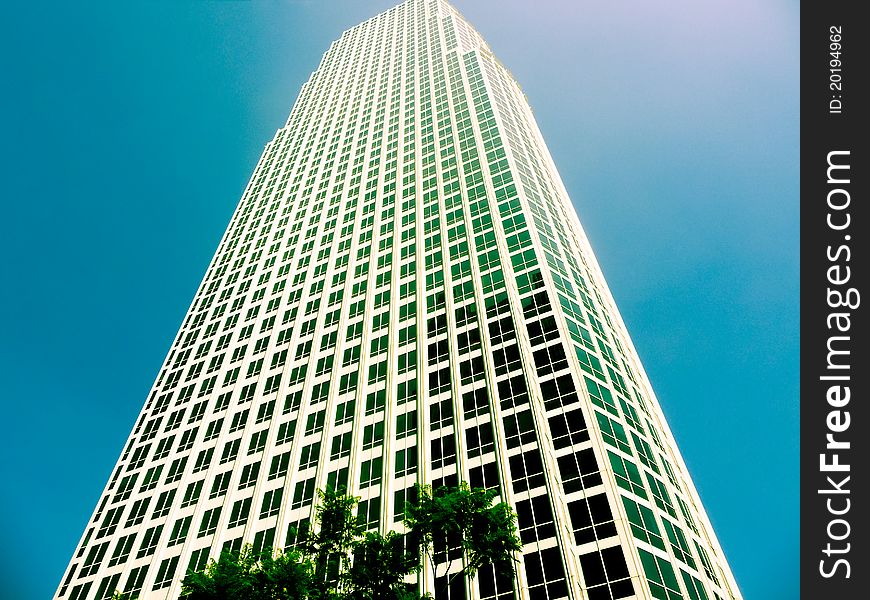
x=835 y=362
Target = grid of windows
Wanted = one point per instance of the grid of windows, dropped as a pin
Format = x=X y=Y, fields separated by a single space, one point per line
x=405 y=294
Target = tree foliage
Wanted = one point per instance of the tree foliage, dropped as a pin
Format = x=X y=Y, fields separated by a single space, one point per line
x=335 y=559
x=464 y=517
x=250 y=576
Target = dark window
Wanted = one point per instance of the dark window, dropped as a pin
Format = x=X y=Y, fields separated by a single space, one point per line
x=443 y=451
x=606 y=574
x=545 y=574
x=591 y=519
x=519 y=429
x=479 y=440
x=485 y=476
x=535 y=519
x=559 y=392
x=579 y=470
x=527 y=471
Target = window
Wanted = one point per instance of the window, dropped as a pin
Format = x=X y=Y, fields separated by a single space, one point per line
x=643 y=523
x=475 y=403
x=176 y=469
x=568 y=429
x=315 y=422
x=165 y=573
x=191 y=494
x=179 y=531
x=369 y=513
x=494 y=586
x=406 y=424
x=606 y=574
x=249 y=475
x=152 y=478
x=545 y=574
x=164 y=503
x=677 y=539
x=258 y=442
x=371 y=472
x=280 y=465
x=137 y=513
x=264 y=412
x=80 y=591
x=660 y=576
x=479 y=440
x=705 y=560
x=149 y=541
x=406 y=461
x=286 y=432
x=338 y=480
x=209 y=522
x=93 y=559
x=661 y=495
x=122 y=550
x=198 y=560
x=107 y=587
x=519 y=429
x=535 y=519
x=230 y=451
x=136 y=579
x=186 y=442
x=645 y=453
x=340 y=446
x=443 y=451
x=694 y=587
x=507 y=359
x=220 y=485
x=613 y=432
x=627 y=474
x=110 y=522
x=203 y=460
x=264 y=540
x=591 y=519
x=376 y=401
x=601 y=396
x=344 y=412
x=373 y=435
x=125 y=488
x=239 y=421
x=513 y=392
x=485 y=476
x=239 y=514
x=271 y=503
x=439 y=381
x=401 y=498
x=303 y=494
x=527 y=471
x=213 y=429
x=296 y=531
x=407 y=392
x=163 y=448
x=440 y=414
x=309 y=456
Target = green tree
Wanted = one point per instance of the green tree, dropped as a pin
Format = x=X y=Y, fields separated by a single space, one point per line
x=329 y=544
x=380 y=565
x=336 y=559
x=486 y=533
x=247 y=575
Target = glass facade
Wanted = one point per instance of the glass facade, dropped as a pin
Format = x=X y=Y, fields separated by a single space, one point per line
x=405 y=294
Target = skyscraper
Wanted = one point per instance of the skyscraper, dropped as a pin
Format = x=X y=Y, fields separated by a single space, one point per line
x=405 y=295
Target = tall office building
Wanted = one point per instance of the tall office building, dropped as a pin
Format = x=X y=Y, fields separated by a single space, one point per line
x=404 y=294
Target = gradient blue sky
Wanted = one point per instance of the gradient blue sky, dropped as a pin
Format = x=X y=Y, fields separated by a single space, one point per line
x=130 y=130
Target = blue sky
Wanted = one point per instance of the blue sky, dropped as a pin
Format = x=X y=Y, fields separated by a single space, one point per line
x=130 y=130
